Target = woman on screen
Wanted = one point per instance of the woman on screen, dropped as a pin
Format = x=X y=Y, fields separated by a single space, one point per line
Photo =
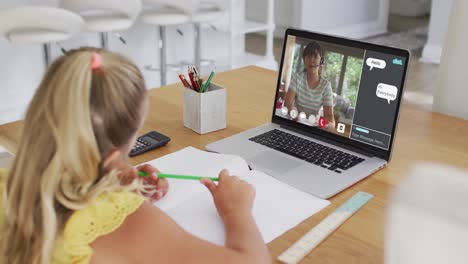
x=308 y=91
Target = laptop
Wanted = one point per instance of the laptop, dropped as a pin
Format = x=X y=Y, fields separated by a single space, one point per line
x=334 y=116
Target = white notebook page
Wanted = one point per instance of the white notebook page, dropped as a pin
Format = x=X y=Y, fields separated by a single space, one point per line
x=277 y=206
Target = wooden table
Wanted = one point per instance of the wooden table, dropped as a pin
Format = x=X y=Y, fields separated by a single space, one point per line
x=422 y=136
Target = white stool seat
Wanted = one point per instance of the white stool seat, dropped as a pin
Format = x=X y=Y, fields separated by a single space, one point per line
x=107 y=23
x=105 y=15
x=164 y=17
x=207 y=15
x=36 y=36
x=34 y=24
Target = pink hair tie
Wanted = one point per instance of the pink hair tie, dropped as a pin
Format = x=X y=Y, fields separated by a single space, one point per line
x=96 y=61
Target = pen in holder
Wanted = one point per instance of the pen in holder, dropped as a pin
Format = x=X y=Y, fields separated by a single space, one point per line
x=205 y=112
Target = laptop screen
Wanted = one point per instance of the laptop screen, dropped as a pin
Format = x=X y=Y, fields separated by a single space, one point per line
x=341 y=87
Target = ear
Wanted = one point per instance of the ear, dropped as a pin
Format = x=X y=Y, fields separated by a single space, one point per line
x=112 y=158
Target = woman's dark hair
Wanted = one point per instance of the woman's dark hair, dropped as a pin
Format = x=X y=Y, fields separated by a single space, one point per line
x=313 y=49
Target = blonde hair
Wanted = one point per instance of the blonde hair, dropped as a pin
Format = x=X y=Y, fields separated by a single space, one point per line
x=77 y=116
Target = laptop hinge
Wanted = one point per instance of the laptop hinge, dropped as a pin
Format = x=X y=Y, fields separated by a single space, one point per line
x=329 y=141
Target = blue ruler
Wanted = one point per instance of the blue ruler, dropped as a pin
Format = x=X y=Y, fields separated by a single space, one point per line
x=316 y=235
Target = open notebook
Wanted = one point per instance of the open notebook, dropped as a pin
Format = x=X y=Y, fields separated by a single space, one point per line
x=277 y=207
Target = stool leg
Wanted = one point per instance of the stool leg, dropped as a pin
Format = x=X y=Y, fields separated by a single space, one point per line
x=104 y=40
x=162 y=54
x=47 y=54
x=198 y=47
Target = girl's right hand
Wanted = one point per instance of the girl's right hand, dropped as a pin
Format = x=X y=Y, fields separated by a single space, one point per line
x=232 y=196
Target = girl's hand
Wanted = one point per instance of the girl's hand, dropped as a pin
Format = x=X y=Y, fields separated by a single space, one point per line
x=232 y=196
x=161 y=186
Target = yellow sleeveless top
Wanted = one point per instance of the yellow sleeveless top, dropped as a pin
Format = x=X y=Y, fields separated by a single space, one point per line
x=102 y=216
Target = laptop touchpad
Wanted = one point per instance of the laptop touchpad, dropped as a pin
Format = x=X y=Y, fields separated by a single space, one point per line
x=274 y=162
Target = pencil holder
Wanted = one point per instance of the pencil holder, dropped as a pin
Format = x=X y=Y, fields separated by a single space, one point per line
x=205 y=112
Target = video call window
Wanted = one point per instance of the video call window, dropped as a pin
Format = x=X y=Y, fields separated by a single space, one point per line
x=320 y=84
x=347 y=91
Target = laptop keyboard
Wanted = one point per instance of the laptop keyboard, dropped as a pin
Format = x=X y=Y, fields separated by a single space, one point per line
x=307 y=150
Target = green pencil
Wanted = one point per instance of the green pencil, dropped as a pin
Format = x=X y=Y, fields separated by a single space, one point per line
x=207 y=83
x=179 y=177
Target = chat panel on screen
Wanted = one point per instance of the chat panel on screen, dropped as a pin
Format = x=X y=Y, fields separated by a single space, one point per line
x=377 y=99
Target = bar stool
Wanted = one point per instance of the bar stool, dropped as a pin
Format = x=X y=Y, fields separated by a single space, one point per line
x=163 y=13
x=37 y=24
x=208 y=11
x=105 y=16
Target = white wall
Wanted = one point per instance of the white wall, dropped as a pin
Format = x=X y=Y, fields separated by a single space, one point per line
x=440 y=12
x=354 y=19
x=285 y=13
x=336 y=13
x=451 y=96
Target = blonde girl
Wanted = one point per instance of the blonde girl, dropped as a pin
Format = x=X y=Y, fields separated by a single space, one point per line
x=71 y=196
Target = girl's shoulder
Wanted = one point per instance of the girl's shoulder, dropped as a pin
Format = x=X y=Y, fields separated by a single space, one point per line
x=3 y=173
x=101 y=216
x=3 y=178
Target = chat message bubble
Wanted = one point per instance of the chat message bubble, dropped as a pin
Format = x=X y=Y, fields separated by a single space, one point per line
x=376 y=63
x=387 y=92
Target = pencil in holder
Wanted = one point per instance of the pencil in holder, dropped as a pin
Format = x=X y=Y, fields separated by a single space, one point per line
x=205 y=112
